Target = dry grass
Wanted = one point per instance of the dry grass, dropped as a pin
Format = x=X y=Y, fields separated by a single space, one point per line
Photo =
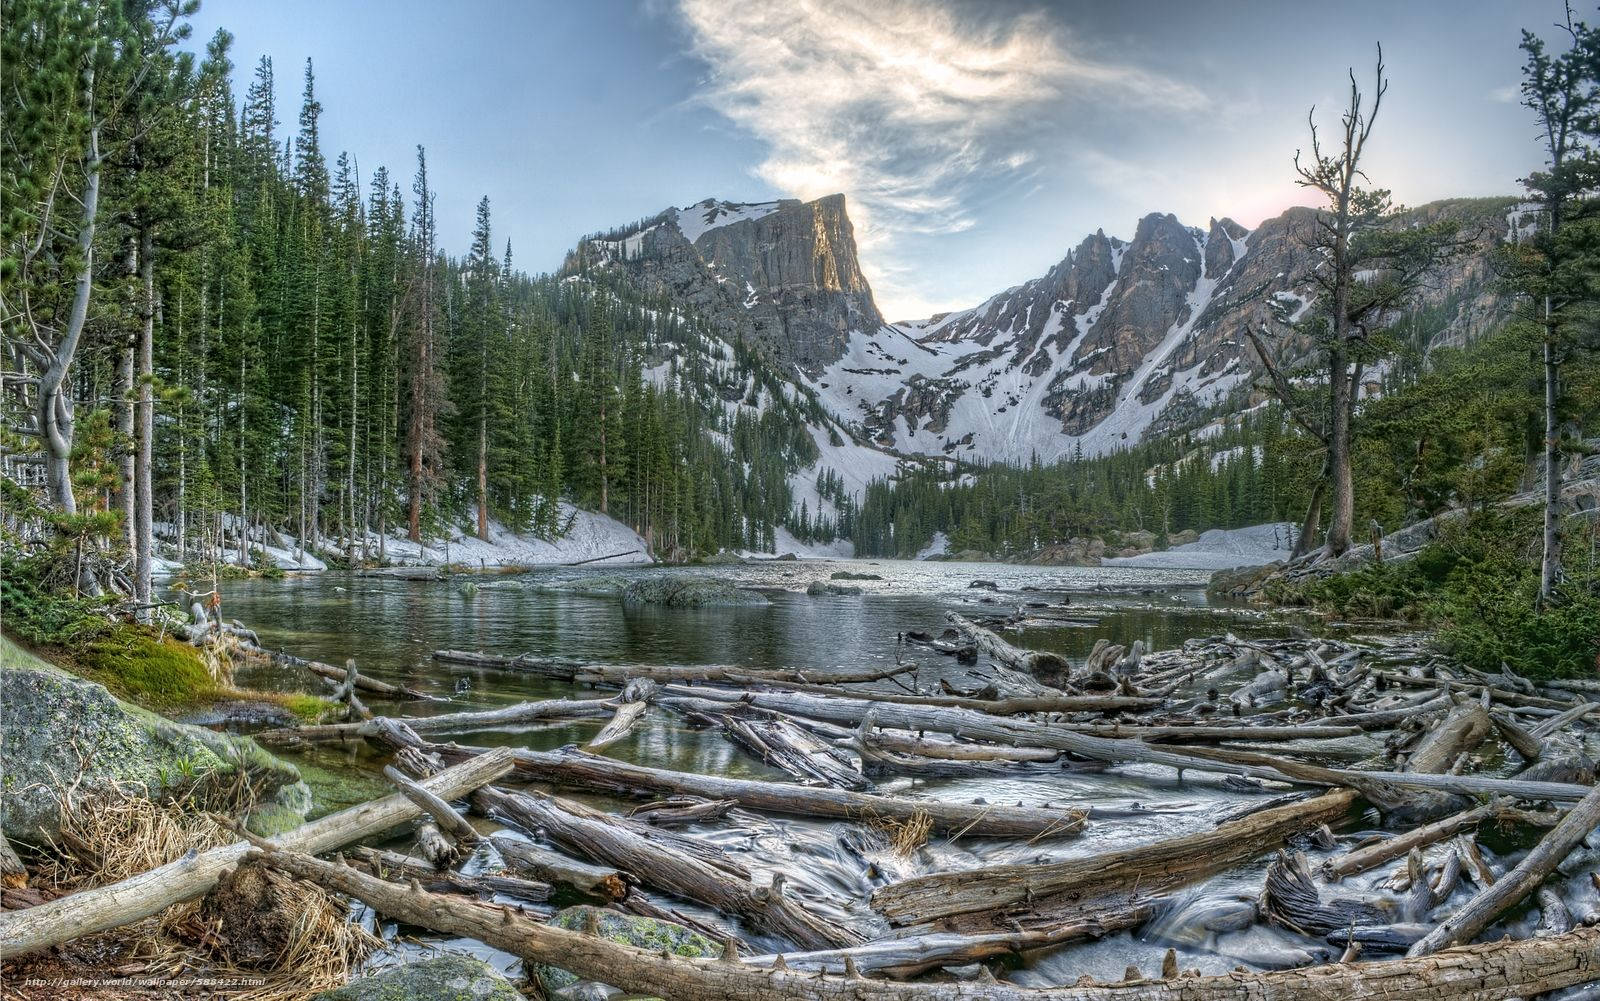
x=294 y=938
x=905 y=837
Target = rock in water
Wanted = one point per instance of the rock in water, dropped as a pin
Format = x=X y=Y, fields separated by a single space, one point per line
x=689 y=592
x=444 y=978
x=60 y=731
x=818 y=588
x=651 y=934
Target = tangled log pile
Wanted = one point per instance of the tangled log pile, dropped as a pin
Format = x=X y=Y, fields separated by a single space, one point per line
x=1376 y=768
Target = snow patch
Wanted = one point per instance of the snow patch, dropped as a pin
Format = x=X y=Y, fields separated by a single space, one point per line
x=703 y=217
x=1221 y=549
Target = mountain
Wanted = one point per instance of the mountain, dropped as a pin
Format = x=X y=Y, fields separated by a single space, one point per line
x=1118 y=340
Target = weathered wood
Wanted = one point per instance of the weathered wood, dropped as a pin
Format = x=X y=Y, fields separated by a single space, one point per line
x=12 y=871
x=1492 y=972
x=442 y=812
x=778 y=741
x=1481 y=911
x=910 y=955
x=993 y=896
x=389 y=864
x=553 y=867
x=988 y=642
x=121 y=903
x=1362 y=859
x=583 y=672
x=1555 y=723
x=462 y=722
x=1521 y=741
x=627 y=714
x=576 y=769
x=335 y=674
x=435 y=847
x=656 y=861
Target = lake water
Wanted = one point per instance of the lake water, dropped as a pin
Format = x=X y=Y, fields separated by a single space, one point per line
x=391 y=627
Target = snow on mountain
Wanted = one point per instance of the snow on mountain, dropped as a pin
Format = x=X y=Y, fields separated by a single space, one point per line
x=702 y=217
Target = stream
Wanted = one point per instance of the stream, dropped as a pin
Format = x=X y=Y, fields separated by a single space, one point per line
x=391 y=627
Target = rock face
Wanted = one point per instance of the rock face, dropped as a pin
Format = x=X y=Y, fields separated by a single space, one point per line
x=58 y=731
x=1118 y=340
x=443 y=978
x=783 y=275
x=651 y=934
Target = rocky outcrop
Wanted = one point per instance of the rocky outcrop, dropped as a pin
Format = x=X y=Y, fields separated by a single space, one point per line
x=60 y=732
x=782 y=275
x=443 y=978
x=689 y=592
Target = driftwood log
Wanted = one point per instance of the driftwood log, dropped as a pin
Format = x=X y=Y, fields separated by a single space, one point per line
x=1122 y=881
x=112 y=906
x=1492 y=972
x=1035 y=662
x=553 y=867
x=1465 y=924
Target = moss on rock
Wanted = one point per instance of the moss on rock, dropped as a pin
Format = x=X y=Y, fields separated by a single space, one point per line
x=652 y=934
x=59 y=731
x=443 y=978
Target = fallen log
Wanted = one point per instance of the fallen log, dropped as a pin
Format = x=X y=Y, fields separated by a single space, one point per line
x=627 y=714
x=583 y=672
x=910 y=955
x=335 y=674
x=576 y=769
x=553 y=867
x=1491 y=972
x=777 y=741
x=1370 y=856
x=442 y=812
x=462 y=722
x=1479 y=912
x=435 y=847
x=1032 y=661
x=657 y=862
x=89 y=911
x=994 y=896
x=387 y=864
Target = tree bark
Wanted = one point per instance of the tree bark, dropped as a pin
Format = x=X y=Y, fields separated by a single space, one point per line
x=552 y=867
x=1550 y=560
x=145 y=423
x=89 y=911
x=1492 y=972
x=990 y=643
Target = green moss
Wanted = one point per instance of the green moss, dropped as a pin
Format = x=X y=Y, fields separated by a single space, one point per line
x=309 y=709
x=143 y=667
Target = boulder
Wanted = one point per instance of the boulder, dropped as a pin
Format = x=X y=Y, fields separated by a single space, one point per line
x=849 y=575
x=689 y=592
x=724 y=557
x=1072 y=553
x=444 y=978
x=984 y=585
x=819 y=588
x=59 y=731
x=652 y=934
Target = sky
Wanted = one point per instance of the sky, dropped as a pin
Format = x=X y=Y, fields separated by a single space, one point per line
x=976 y=141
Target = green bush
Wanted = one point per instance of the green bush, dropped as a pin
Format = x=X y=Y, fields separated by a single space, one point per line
x=40 y=615
x=1477 y=585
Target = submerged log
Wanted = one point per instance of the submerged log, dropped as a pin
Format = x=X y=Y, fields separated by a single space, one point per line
x=442 y=812
x=121 y=903
x=389 y=864
x=1465 y=924
x=995 y=895
x=1492 y=972
x=486 y=719
x=582 y=672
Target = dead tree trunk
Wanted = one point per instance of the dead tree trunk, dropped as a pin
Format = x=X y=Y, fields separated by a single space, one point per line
x=1492 y=972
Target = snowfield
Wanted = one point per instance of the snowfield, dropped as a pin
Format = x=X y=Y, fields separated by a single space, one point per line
x=592 y=535
x=1220 y=549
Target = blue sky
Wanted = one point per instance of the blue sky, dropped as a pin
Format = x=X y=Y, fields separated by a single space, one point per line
x=976 y=141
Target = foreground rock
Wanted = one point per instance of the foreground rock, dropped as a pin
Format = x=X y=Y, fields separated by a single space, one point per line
x=59 y=731
x=653 y=934
x=445 y=978
x=689 y=592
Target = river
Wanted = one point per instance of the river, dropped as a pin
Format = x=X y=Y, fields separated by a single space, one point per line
x=391 y=627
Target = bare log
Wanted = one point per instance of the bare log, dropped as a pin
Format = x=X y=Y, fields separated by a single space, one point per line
x=462 y=722
x=89 y=911
x=1465 y=924
x=553 y=867
x=12 y=871
x=1362 y=859
x=627 y=714
x=988 y=642
x=657 y=861
x=387 y=864
x=576 y=769
x=995 y=895
x=435 y=847
x=442 y=812
x=581 y=672
x=1492 y=972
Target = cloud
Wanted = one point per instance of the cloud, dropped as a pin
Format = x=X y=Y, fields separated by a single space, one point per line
x=1511 y=93
x=906 y=107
